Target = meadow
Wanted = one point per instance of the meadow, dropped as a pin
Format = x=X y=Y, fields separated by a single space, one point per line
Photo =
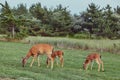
x=11 y=54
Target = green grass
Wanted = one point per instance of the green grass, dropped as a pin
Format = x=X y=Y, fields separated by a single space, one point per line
x=12 y=53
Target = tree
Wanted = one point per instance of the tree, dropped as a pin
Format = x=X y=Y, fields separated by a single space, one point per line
x=91 y=19
x=20 y=10
x=11 y=22
x=60 y=19
x=37 y=11
x=56 y=20
x=77 y=22
x=117 y=10
x=110 y=23
x=8 y=18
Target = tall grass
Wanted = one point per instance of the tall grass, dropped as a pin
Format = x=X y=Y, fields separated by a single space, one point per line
x=112 y=46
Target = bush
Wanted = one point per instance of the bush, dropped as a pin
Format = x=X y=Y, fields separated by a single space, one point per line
x=81 y=36
x=20 y=36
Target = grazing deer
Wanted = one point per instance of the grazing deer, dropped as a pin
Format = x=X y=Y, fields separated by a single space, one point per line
x=54 y=55
x=37 y=50
x=90 y=58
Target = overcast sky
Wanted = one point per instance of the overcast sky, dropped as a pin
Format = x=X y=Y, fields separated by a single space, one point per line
x=75 y=6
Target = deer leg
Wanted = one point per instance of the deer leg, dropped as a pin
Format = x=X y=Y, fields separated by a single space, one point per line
x=48 y=62
x=101 y=62
x=98 y=62
x=61 y=61
x=38 y=61
x=56 y=61
x=92 y=64
x=33 y=61
x=87 y=66
x=52 y=60
x=102 y=66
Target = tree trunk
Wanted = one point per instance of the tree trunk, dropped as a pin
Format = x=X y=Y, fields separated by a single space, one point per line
x=13 y=32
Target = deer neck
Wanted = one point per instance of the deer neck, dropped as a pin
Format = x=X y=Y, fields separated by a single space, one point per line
x=28 y=55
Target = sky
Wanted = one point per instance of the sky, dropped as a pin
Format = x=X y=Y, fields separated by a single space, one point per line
x=74 y=6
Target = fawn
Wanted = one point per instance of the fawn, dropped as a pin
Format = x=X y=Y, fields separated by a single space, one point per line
x=90 y=58
x=55 y=54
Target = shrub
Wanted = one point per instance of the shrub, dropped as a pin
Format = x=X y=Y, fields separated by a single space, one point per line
x=81 y=36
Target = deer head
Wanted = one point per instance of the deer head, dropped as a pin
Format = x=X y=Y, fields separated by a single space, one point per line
x=23 y=62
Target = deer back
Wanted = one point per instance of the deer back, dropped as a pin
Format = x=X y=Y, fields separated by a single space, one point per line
x=42 y=49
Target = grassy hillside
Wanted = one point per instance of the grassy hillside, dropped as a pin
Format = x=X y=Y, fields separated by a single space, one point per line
x=10 y=65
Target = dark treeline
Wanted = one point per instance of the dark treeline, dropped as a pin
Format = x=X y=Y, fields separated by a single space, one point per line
x=94 y=23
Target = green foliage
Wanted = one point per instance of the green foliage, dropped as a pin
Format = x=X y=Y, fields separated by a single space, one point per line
x=98 y=22
x=81 y=36
x=22 y=33
x=10 y=22
x=37 y=11
x=61 y=19
x=55 y=21
x=117 y=10
x=20 y=10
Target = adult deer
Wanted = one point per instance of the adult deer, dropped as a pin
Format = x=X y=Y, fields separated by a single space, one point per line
x=90 y=58
x=36 y=50
x=55 y=54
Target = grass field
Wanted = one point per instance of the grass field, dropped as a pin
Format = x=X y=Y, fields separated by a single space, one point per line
x=10 y=65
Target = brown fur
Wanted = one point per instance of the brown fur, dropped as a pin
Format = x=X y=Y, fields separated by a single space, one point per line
x=90 y=58
x=54 y=55
x=36 y=50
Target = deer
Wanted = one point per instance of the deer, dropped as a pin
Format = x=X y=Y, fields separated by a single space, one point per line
x=36 y=50
x=54 y=55
x=93 y=57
